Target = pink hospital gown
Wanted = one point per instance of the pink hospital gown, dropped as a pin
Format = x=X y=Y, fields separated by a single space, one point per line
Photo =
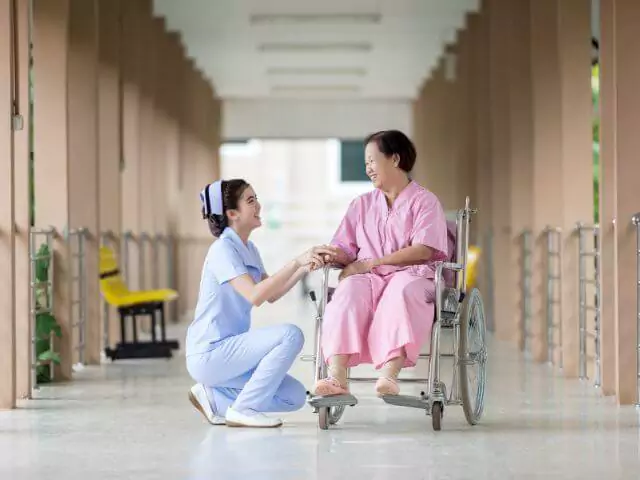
x=373 y=316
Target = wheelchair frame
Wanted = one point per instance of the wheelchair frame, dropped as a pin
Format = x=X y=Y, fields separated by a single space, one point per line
x=454 y=310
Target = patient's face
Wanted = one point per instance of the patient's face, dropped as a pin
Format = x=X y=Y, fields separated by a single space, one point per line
x=379 y=167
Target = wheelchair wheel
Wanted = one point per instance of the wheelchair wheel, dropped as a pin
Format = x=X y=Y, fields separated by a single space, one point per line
x=473 y=356
x=436 y=416
x=328 y=416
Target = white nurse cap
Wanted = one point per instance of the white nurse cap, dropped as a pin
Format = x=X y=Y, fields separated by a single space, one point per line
x=211 y=199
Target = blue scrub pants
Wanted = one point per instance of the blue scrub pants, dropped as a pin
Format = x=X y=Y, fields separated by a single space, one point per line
x=249 y=371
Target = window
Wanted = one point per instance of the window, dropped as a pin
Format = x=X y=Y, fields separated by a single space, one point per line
x=347 y=170
x=352 y=167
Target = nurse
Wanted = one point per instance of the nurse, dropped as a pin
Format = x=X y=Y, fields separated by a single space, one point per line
x=383 y=309
x=242 y=373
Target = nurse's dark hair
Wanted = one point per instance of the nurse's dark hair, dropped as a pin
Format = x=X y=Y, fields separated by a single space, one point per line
x=232 y=190
x=394 y=142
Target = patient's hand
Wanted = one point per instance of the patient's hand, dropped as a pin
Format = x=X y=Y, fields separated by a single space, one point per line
x=356 y=268
x=336 y=256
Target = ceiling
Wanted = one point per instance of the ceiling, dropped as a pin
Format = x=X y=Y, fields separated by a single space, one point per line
x=308 y=49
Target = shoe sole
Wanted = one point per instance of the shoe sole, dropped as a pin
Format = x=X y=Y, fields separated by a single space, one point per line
x=196 y=404
x=242 y=425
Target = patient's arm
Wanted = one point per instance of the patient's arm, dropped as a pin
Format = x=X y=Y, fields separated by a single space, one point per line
x=413 y=255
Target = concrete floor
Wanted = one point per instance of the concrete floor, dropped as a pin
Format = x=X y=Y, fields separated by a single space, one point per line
x=132 y=420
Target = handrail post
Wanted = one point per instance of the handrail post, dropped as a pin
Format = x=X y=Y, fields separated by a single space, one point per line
x=526 y=290
x=552 y=325
x=636 y=221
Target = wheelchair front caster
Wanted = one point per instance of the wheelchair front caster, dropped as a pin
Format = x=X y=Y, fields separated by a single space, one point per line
x=436 y=416
x=323 y=418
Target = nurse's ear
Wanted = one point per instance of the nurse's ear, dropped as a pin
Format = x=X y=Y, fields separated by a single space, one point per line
x=232 y=214
x=395 y=158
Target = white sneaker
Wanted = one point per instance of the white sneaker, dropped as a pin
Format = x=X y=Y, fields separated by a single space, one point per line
x=257 y=420
x=199 y=398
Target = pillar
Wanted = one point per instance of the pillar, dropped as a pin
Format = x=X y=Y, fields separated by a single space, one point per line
x=7 y=293
x=498 y=11
x=22 y=208
x=608 y=196
x=621 y=42
x=479 y=27
x=132 y=17
x=574 y=35
x=109 y=135
x=51 y=154
x=83 y=165
x=520 y=153
x=148 y=155
x=547 y=155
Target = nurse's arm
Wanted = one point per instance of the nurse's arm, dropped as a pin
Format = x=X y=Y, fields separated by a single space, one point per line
x=288 y=285
x=413 y=255
x=258 y=293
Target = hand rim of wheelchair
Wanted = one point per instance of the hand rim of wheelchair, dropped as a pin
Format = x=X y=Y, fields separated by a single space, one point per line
x=469 y=311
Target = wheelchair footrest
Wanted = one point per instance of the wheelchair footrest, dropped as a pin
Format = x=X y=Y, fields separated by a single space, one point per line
x=333 y=401
x=407 y=401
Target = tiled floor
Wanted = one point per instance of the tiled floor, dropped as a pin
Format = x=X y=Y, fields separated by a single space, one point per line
x=132 y=420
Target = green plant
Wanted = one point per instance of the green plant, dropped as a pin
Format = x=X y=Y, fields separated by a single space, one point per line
x=46 y=324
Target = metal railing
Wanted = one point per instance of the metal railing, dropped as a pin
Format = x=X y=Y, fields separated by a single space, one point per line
x=77 y=254
x=636 y=222
x=41 y=293
x=585 y=253
x=525 y=286
x=554 y=285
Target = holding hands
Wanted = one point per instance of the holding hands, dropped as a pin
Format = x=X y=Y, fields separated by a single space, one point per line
x=318 y=257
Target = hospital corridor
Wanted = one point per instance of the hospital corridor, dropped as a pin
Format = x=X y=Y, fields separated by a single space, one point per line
x=287 y=239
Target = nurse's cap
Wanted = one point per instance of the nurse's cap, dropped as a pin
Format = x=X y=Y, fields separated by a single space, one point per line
x=211 y=199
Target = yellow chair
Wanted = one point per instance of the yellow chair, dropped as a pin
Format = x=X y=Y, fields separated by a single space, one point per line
x=134 y=303
x=473 y=257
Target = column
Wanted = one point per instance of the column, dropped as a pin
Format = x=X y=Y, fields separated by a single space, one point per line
x=547 y=155
x=7 y=264
x=520 y=153
x=109 y=134
x=501 y=180
x=574 y=30
x=479 y=27
x=132 y=53
x=83 y=167
x=148 y=159
x=22 y=208
x=626 y=42
x=608 y=196
x=51 y=154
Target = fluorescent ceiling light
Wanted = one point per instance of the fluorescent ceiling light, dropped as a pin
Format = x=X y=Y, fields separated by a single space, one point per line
x=315 y=89
x=320 y=47
x=354 y=71
x=314 y=18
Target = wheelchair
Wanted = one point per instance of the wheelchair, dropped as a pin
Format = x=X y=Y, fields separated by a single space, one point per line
x=457 y=311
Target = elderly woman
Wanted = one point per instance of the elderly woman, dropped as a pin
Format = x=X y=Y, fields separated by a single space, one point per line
x=383 y=309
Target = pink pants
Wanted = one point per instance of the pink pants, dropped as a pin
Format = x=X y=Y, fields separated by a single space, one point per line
x=371 y=318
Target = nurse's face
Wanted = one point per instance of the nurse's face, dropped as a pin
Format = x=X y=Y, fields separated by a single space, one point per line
x=247 y=215
x=380 y=168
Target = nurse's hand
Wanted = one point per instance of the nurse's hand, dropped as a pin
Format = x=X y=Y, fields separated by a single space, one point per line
x=312 y=258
